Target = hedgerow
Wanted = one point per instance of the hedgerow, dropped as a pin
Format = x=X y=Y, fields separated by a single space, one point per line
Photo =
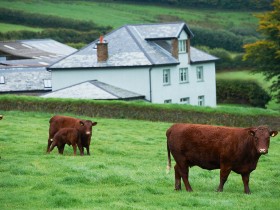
x=143 y=111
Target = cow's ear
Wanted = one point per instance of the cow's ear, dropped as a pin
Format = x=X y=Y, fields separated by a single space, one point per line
x=251 y=132
x=94 y=123
x=81 y=123
x=273 y=133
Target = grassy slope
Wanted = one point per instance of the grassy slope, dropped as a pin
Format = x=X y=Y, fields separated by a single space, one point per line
x=12 y=27
x=117 y=14
x=126 y=171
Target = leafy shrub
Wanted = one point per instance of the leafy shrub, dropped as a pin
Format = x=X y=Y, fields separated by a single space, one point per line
x=245 y=92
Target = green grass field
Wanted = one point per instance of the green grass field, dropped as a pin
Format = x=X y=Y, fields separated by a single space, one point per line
x=125 y=171
x=118 y=14
x=12 y=27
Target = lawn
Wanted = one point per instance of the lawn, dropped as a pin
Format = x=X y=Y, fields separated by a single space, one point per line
x=125 y=171
x=118 y=14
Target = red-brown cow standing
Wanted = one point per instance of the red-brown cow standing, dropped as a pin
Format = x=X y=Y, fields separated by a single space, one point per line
x=70 y=136
x=216 y=147
x=85 y=126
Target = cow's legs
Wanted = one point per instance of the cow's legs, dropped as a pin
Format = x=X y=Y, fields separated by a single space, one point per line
x=81 y=149
x=177 y=178
x=75 y=149
x=61 y=149
x=87 y=147
x=224 y=172
x=245 y=179
x=184 y=172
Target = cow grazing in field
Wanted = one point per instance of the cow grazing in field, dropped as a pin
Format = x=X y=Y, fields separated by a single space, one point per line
x=216 y=147
x=70 y=136
x=1 y=117
x=84 y=126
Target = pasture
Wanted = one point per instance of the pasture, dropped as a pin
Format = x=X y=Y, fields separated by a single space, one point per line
x=125 y=171
x=118 y=14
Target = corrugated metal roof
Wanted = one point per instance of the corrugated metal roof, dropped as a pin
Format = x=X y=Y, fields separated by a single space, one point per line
x=37 y=48
x=133 y=45
x=93 y=90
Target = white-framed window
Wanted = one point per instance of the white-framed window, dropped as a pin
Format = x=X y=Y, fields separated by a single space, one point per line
x=47 y=83
x=183 y=75
x=166 y=76
x=182 y=46
x=167 y=101
x=2 y=80
x=185 y=100
x=199 y=74
x=201 y=100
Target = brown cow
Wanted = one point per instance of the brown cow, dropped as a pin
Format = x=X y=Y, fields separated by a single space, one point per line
x=70 y=136
x=85 y=126
x=216 y=147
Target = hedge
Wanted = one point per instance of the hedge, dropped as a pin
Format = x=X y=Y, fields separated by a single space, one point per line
x=242 y=91
x=138 y=111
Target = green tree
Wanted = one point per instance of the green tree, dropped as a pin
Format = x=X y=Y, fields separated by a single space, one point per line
x=265 y=54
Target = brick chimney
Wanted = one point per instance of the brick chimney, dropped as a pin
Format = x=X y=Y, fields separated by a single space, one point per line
x=174 y=48
x=102 y=50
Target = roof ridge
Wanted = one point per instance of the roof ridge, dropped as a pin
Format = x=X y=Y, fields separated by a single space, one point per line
x=139 y=45
x=98 y=85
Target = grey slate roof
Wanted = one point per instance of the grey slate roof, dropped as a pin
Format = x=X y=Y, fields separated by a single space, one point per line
x=134 y=45
x=93 y=89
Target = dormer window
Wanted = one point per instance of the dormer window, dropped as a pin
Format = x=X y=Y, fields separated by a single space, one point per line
x=182 y=46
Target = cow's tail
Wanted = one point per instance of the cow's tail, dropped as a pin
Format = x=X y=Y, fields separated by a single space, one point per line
x=168 y=167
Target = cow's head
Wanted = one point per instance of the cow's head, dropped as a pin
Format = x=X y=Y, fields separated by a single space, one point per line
x=262 y=136
x=1 y=117
x=86 y=126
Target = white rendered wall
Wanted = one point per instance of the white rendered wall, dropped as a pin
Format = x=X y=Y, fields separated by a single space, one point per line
x=135 y=80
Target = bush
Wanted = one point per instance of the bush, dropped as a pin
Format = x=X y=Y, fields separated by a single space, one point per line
x=244 y=92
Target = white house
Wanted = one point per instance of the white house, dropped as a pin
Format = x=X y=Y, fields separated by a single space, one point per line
x=154 y=60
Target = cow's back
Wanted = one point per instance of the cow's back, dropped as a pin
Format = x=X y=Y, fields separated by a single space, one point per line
x=57 y=122
x=202 y=145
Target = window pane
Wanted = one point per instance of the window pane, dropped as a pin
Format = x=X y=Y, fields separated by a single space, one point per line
x=201 y=100
x=183 y=75
x=2 y=80
x=185 y=100
x=167 y=101
x=166 y=76
x=182 y=45
x=199 y=73
x=47 y=83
